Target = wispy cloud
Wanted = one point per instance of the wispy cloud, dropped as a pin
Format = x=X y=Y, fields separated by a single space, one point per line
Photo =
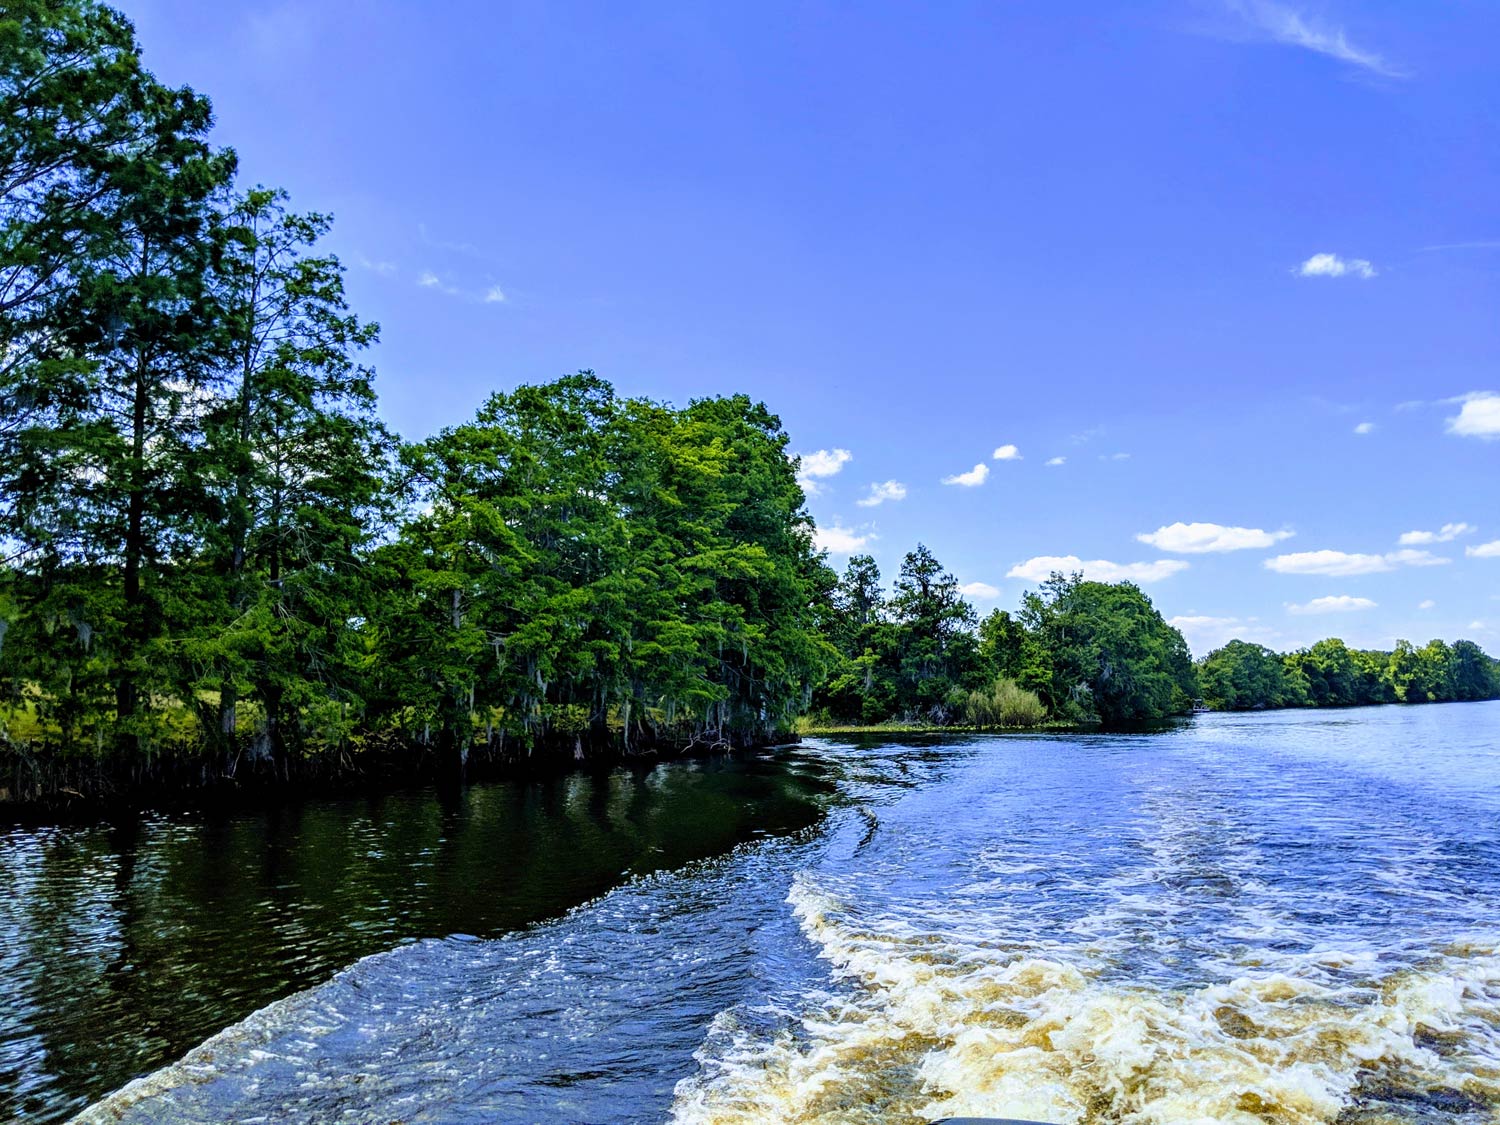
x=980 y=591
x=1479 y=416
x=1053 y=462
x=384 y=269
x=1202 y=538
x=1343 y=564
x=1282 y=23
x=972 y=479
x=1204 y=632
x=1445 y=534
x=431 y=280
x=1007 y=453
x=1333 y=603
x=1099 y=570
x=837 y=540
x=820 y=465
x=1365 y=428
x=1426 y=603
x=1481 y=244
x=1331 y=265
x=881 y=491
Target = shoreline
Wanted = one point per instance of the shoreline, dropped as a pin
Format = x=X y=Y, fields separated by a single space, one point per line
x=333 y=776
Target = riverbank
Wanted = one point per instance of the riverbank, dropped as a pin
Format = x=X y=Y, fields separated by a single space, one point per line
x=52 y=786
x=810 y=729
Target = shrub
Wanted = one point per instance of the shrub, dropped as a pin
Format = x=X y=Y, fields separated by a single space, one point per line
x=1004 y=703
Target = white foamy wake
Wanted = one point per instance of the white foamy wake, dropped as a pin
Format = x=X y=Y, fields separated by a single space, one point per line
x=934 y=1024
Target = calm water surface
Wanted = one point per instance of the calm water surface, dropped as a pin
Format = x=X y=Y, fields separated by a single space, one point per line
x=1287 y=917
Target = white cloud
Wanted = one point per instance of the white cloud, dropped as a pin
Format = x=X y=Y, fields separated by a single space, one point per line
x=838 y=540
x=1416 y=558
x=1478 y=417
x=1007 y=453
x=981 y=590
x=825 y=462
x=1365 y=428
x=1426 y=603
x=1098 y=570
x=1334 y=603
x=1341 y=564
x=1056 y=461
x=1115 y=457
x=1331 y=265
x=1201 y=538
x=429 y=280
x=384 y=269
x=1285 y=24
x=881 y=492
x=1490 y=550
x=974 y=477
x=1445 y=534
x=819 y=465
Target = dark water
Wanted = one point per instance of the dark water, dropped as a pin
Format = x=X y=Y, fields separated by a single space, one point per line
x=1269 y=918
x=123 y=946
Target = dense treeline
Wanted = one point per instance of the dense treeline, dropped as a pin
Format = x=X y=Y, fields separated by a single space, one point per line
x=1242 y=676
x=1076 y=652
x=216 y=558
x=1088 y=653
x=216 y=562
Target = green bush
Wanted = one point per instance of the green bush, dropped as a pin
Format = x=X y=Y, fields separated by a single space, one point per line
x=1004 y=703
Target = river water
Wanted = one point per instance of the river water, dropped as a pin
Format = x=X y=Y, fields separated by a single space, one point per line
x=1287 y=917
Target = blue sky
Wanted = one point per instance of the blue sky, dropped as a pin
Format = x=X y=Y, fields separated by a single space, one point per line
x=1222 y=263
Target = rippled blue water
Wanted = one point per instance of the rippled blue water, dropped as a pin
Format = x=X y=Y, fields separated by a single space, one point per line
x=1275 y=917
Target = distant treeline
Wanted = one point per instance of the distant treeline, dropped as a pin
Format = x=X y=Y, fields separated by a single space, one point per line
x=1077 y=652
x=1088 y=653
x=1242 y=676
x=215 y=560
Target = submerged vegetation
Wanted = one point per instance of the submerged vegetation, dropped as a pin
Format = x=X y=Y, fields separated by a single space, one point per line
x=216 y=563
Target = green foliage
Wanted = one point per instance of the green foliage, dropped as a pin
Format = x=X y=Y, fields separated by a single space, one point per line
x=645 y=572
x=1242 y=676
x=1113 y=658
x=1003 y=703
x=204 y=549
x=1085 y=652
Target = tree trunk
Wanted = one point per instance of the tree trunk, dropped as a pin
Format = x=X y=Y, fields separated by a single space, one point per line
x=127 y=691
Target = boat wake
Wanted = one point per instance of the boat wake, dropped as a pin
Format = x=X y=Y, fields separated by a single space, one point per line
x=937 y=1023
